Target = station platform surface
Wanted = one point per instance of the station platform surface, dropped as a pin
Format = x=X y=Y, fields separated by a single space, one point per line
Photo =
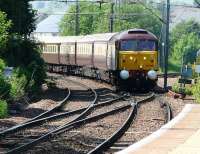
x=180 y=136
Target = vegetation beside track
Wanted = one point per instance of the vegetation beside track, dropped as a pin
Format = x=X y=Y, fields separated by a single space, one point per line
x=17 y=50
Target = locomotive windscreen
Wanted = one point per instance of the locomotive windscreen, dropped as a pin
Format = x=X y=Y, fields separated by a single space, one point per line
x=138 y=45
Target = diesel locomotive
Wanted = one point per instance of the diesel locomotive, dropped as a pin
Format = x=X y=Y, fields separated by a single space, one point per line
x=130 y=58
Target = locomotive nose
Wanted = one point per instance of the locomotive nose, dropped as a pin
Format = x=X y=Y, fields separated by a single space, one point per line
x=124 y=74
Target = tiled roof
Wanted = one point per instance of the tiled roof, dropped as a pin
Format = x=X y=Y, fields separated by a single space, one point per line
x=50 y=24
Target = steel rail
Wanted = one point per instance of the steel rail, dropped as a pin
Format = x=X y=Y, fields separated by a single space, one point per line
x=53 y=109
x=65 y=128
x=40 y=116
x=81 y=116
x=68 y=127
x=111 y=140
x=169 y=113
x=53 y=117
x=87 y=109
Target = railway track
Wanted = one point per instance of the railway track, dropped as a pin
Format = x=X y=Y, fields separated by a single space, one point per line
x=84 y=115
x=40 y=119
x=81 y=113
x=77 y=124
x=121 y=144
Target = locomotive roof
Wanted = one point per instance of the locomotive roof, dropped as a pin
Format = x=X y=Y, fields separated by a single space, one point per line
x=135 y=34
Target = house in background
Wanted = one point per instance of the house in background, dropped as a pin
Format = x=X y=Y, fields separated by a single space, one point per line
x=48 y=27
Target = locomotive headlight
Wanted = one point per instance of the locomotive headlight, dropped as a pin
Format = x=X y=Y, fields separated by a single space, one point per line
x=124 y=74
x=152 y=75
x=145 y=58
x=131 y=58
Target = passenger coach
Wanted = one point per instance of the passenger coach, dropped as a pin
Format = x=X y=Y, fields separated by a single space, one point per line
x=130 y=58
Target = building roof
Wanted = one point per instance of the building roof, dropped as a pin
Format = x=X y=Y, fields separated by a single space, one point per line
x=104 y=37
x=49 y=25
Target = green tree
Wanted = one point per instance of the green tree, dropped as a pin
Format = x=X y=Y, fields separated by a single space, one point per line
x=5 y=25
x=184 y=42
x=21 y=52
x=94 y=19
x=183 y=28
x=186 y=47
x=21 y=15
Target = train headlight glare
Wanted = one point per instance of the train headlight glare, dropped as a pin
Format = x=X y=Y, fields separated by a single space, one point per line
x=124 y=74
x=141 y=66
x=145 y=58
x=152 y=75
x=131 y=58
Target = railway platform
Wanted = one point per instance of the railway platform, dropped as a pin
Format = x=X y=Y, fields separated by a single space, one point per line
x=180 y=136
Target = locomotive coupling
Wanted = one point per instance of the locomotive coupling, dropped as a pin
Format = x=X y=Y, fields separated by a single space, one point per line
x=124 y=74
x=152 y=75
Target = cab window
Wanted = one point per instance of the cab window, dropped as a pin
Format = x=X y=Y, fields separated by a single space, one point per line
x=138 y=45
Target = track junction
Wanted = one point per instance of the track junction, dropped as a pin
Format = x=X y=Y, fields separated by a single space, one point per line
x=97 y=105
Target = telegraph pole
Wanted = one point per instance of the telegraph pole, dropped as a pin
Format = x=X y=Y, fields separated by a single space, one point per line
x=111 y=18
x=77 y=18
x=167 y=44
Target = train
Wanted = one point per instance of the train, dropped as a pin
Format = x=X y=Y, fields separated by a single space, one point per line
x=129 y=58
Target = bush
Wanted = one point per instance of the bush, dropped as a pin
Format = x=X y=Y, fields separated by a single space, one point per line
x=2 y=65
x=4 y=87
x=175 y=88
x=3 y=109
x=18 y=84
x=25 y=53
x=186 y=90
x=5 y=25
x=196 y=90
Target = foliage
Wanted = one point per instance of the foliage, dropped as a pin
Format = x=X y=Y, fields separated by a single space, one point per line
x=3 y=109
x=4 y=87
x=95 y=19
x=26 y=54
x=182 y=29
x=186 y=47
x=175 y=88
x=2 y=65
x=21 y=15
x=18 y=84
x=196 y=90
x=174 y=65
x=5 y=25
x=186 y=90
x=184 y=42
x=197 y=2
x=18 y=51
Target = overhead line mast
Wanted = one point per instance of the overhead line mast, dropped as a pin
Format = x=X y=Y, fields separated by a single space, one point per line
x=167 y=44
x=77 y=29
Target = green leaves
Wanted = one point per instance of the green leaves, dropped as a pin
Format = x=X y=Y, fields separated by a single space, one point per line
x=21 y=15
x=3 y=109
x=4 y=28
x=185 y=41
x=96 y=20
